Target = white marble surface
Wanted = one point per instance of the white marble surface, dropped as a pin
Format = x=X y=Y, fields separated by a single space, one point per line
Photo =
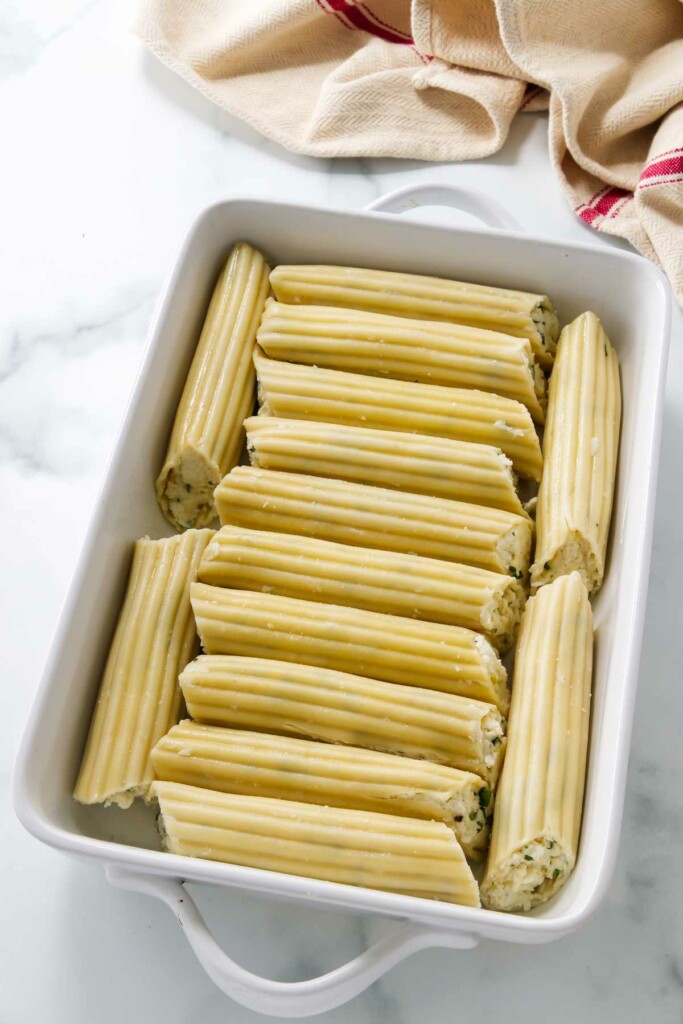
x=106 y=156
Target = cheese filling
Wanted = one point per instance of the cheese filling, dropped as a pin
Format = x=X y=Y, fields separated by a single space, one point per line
x=529 y=875
x=493 y=727
x=575 y=555
x=471 y=809
x=545 y=319
x=501 y=614
x=187 y=496
x=514 y=550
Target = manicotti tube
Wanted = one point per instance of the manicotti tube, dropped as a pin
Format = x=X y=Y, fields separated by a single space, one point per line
x=263 y=764
x=522 y=314
x=416 y=350
x=207 y=436
x=380 y=581
x=139 y=697
x=375 y=517
x=538 y=806
x=462 y=414
x=376 y=851
x=273 y=696
x=580 y=447
x=435 y=466
x=388 y=647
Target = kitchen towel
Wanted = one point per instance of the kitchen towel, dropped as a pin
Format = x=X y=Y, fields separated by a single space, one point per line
x=442 y=80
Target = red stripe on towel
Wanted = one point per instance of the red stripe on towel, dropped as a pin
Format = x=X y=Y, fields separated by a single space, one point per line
x=326 y=10
x=603 y=204
x=663 y=166
x=358 y=19
x=592 y=200
x=532 y=91
x=650 y=184
x=668 y=152
x=385 y=24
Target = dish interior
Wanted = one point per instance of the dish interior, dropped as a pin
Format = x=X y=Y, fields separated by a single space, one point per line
x=623 y=290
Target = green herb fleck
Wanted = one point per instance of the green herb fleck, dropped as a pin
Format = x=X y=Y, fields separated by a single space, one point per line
x=495 y=742
x=556 y=873
x=473 y=815
x=527 y=857
x=546 y=566
x=484 y=796
x=514 y=571
x=542 y=335
x=188 y=488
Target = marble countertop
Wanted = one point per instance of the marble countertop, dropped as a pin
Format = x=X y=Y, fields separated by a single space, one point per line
x=106 y=158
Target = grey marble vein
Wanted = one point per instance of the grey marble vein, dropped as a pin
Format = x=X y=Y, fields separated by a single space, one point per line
x=24 y=40
x=51 y=421
x=74 y=339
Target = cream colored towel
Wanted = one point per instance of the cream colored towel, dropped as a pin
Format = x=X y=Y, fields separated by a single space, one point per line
x=442 y=80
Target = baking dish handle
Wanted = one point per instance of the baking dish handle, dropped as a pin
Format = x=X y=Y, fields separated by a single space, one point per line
x=470 y=200
x=285 y=998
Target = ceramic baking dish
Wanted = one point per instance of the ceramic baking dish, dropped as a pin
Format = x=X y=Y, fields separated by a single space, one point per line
x=632 y=299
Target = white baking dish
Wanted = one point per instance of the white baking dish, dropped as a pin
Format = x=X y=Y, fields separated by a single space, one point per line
x=629 y=295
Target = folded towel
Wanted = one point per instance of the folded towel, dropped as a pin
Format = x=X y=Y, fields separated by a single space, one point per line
x=442 y=80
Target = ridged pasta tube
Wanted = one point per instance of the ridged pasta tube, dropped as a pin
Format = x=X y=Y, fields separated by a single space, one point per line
x=262 y=764
x=538 y=805
x=139 y=698
x=521 y=314
x=372 y=517
x=321 y=704
x=388 y=647
x=414 y=350
x=207 y=436
x=376 y=851
x=580 y=446
x=435 y=466
x=379 y=581
x=462 y=414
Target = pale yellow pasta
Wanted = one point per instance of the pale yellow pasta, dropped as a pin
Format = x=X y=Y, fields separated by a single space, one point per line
x=376 y=851
x=521 y=314
x=580 y=448
x=538 y=805
x=462 y=414
x=380 y=581
x=320 y=704
x=207 y=436
x=435 y=466
x=263 y=764
x=414 y=350
x=375 y=517
x=388 y=647
x=139 y=697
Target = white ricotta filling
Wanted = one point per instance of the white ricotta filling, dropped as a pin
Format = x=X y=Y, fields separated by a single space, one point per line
x=575 y=555
x=501 y=614
x=531 y=875
x=493 y=731
x=540 y=384
x=515 y=431
x=545 y=320
x=188 y=488
x=471 y=809
x=125 y=797
x=514 y=550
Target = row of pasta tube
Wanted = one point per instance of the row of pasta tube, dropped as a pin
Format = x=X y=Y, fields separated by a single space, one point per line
x=348 y=716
